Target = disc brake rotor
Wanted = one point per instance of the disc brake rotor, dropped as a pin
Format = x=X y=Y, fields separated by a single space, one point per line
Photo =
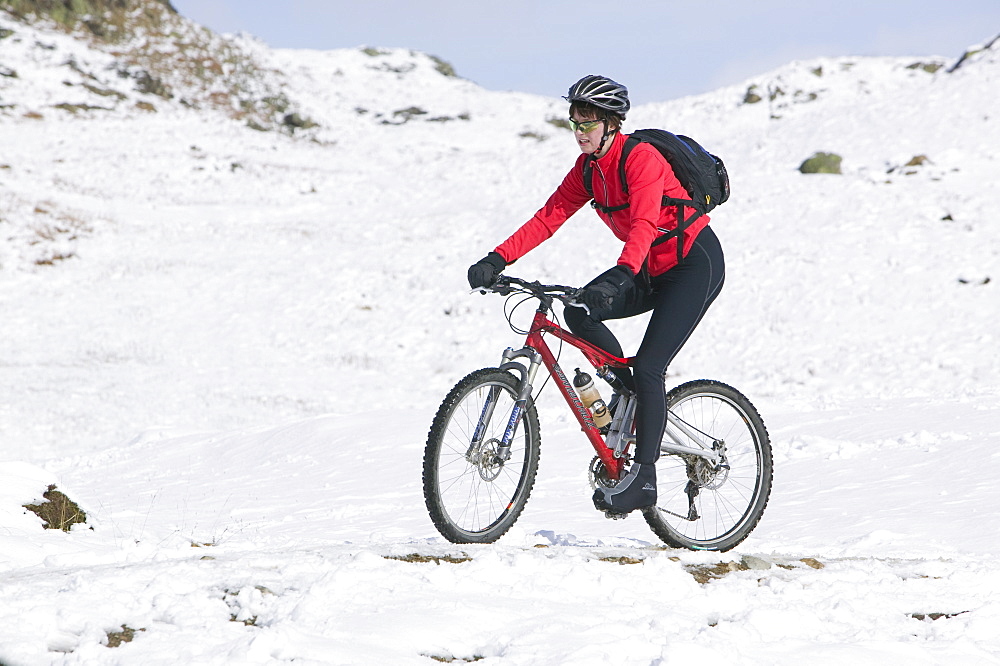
x=488 y=462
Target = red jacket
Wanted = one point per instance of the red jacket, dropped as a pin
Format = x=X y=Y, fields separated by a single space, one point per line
x=649 y=178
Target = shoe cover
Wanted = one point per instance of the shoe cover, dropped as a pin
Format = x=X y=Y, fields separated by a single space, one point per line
x=636 y=491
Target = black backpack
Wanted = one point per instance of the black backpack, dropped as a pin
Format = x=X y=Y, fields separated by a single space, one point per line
x=701 y=173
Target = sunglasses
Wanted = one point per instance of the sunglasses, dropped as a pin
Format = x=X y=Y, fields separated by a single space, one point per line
x=584 y=126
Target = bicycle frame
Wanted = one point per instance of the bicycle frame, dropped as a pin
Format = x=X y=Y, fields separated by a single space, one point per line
x=612 y=451
x=537 y=352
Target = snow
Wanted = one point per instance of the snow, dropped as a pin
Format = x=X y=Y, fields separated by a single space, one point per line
x=227 y=346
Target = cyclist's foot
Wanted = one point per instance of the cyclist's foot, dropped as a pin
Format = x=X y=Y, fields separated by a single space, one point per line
x=636 y=490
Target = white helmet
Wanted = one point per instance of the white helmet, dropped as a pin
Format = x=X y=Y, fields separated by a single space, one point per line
x=602 y=92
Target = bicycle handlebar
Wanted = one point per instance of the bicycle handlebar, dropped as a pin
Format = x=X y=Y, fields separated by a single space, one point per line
x=508 y=284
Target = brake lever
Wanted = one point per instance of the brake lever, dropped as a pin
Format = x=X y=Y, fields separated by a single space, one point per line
x=574 y=301
x=498 y=287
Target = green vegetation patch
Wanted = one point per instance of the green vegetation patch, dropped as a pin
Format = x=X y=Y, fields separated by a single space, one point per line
x=168 y=57
x=561 y=123
x=442 y=67
x=822 y=163
x=929 y=67
x=105 y=19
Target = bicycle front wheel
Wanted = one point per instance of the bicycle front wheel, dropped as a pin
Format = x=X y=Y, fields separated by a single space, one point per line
x=705 y=506
x=472 y=495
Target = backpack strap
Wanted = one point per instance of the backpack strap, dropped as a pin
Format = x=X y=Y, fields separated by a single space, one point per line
x=630 y=143
x=682 y=224
x=588 y=174
x=697 y=209
x=588 y=183
x=607 y=209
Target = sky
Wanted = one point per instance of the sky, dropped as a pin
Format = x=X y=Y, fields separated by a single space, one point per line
x=660 y=49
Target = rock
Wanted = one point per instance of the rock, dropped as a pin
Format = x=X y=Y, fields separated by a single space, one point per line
x=756 y=563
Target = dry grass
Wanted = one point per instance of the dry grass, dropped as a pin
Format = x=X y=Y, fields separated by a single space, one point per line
x=423 y=559
x=935 y=616
x=622 y=560
x=704 y=573
x=455 y=660
x=58 y=511
x=116 y=638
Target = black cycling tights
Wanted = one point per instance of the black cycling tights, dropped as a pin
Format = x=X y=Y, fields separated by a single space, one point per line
x=678 y=299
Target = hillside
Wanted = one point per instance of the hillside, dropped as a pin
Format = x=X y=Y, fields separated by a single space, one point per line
x=228 y=325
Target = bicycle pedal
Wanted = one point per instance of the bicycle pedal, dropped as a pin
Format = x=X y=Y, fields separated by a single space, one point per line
x=615 y=515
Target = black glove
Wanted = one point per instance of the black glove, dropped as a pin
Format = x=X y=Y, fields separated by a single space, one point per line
x=484 y=272
x=602 y=291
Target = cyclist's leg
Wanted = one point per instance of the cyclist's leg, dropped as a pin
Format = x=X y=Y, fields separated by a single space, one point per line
x=591 y=327
x=680 y=298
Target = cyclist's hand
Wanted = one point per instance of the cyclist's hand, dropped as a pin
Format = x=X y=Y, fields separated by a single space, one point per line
x=484 y=272
x=602 y=291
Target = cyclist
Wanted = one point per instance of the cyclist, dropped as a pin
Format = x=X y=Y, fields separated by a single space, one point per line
x=645 y=277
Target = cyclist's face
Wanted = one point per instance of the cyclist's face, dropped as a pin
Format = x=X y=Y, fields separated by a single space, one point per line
x=588 y=133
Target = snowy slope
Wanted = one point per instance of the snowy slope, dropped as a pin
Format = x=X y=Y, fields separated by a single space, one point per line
x=235 y=340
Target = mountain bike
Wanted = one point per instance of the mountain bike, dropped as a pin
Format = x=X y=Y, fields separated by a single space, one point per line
x=714 y=472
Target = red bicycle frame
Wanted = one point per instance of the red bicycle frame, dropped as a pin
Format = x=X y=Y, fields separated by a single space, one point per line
x=600 y=359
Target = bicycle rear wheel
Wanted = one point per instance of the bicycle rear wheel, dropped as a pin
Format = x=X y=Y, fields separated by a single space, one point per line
x=472 y=496
x=701 y=506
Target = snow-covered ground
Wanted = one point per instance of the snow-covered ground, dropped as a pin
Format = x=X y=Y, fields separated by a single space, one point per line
x=227 y=346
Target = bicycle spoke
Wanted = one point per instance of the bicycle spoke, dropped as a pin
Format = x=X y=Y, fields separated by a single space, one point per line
x=727 y=497
x=472 y=496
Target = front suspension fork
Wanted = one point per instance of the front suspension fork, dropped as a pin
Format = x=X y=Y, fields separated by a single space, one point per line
x=525 y=387
x=527 y=377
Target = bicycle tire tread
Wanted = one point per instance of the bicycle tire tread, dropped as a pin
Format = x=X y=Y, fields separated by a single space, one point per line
x=726 y=541
x=434 y=441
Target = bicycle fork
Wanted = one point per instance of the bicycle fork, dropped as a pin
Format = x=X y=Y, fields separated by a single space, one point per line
x=525 y=387
x=527 y=375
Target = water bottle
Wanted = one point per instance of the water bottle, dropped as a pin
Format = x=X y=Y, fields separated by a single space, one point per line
x=591 y=398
